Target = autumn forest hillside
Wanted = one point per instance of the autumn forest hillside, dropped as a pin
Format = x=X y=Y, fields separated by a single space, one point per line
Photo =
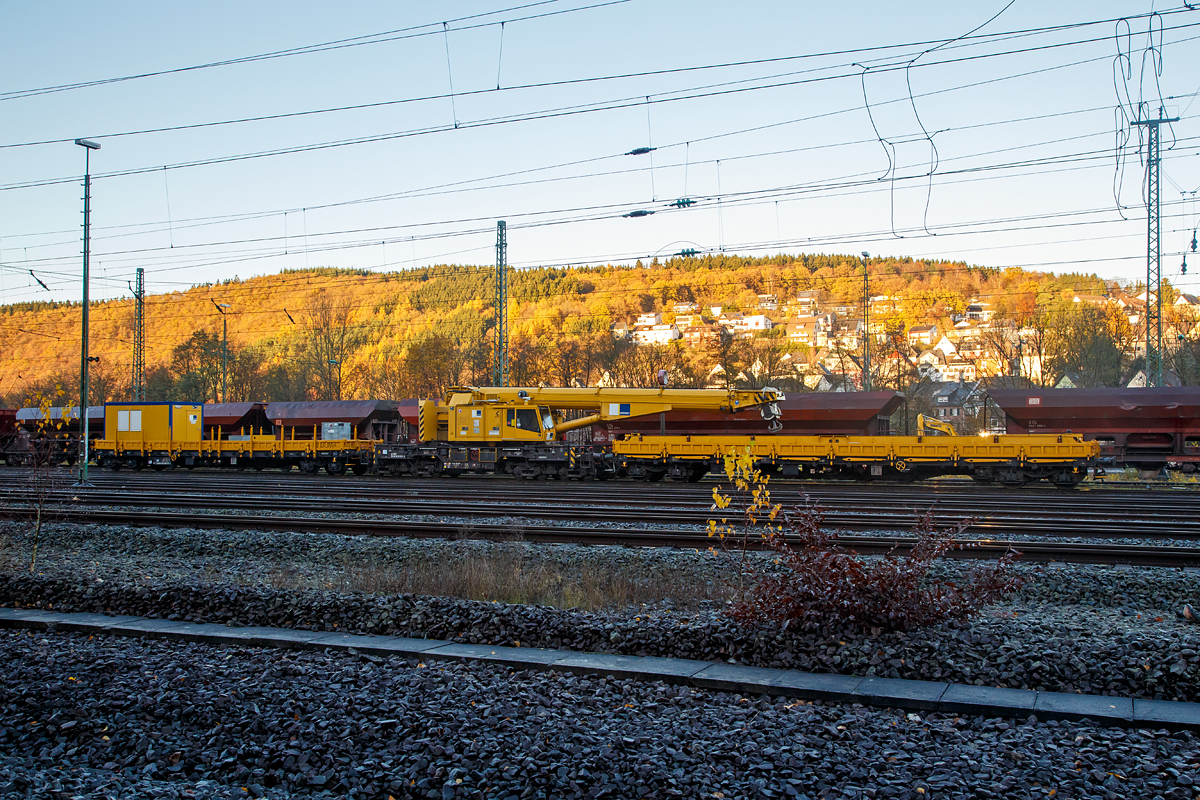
x=325 y=333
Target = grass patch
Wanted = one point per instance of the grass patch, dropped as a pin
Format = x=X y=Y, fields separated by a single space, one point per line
x=514 y=573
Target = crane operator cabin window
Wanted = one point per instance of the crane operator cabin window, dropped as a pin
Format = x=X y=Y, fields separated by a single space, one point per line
x=525 y=419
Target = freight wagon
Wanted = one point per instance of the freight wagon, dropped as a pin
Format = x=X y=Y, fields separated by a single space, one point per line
x=1147 y=429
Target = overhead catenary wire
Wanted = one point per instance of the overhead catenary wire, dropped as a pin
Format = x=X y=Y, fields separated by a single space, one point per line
x=850 y=237
x=831 y=182
x=720 y=194
x=356 y=41
x=510 y=119
x=818 y=241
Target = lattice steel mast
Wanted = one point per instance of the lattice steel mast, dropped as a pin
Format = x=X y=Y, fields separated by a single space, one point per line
x=500 y=329
x=1153 y=250
x=138 y=383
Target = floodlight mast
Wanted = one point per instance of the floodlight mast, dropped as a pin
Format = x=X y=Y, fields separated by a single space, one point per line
x=84 y=360
x=867 y=324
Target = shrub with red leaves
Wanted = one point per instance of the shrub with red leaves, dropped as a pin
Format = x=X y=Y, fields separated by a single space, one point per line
x=815 y=583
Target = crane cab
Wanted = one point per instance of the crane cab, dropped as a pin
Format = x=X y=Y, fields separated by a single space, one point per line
x=500 y=423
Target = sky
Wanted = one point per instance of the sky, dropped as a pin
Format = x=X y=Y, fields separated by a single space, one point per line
x=241 y=139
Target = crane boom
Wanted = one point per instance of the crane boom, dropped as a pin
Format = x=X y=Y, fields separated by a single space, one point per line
x=499 y=413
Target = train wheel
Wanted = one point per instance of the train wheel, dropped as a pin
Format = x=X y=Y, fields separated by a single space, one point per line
x=359 y=469
x=309 y=467
x=655 y=477
x=427 y=469
x=1069 y=480
x=334 y=468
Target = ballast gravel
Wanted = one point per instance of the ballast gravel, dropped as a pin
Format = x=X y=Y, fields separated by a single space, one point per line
x=106 y=717
x=1070 y=629
x=102 y=717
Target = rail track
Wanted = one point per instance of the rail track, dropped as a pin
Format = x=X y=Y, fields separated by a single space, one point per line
x=1134 y=514
x=661 y=515
x=867 y=512
x=1037 y=551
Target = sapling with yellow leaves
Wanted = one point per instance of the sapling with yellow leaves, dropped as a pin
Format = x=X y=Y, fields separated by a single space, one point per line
x=814 y=583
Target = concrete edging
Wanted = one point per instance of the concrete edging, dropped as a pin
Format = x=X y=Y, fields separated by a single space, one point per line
x=827 y=687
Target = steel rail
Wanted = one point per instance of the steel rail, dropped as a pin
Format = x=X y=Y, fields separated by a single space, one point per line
x=967 y=503
x=1084 y=553
x=1071 y=522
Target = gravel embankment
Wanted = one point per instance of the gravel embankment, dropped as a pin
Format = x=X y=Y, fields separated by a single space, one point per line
x=105 y=717
x=1072 y=629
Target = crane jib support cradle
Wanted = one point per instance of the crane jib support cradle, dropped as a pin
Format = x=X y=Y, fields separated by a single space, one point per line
x=515 y=414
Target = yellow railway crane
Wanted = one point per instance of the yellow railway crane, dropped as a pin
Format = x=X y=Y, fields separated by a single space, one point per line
x=519 y=430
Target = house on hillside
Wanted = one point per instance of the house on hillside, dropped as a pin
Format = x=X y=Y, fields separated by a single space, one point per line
x=929 y=363
x=959 y=402
x=648 y=319
x=807 y=330
x=839 y=382
x=745 y=324
x=620 y=330
x=958 y=369
x=755 y=322
x=965 y=329
x=1139 y=381
x=1187 y=303
x=701 y=335
x=946 y=347
x=805 y=303
x=655 y=334
x=925 y=335
x=884 y=304
x=979 y=311
x=1091 y=299
x=970 y=348
x=851 y=334
x=767 y=302
x=686 y=308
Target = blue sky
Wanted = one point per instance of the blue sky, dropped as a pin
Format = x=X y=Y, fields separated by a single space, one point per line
x=780 y=155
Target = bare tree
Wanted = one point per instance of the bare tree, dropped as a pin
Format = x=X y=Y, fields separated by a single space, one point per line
x=766 y=360
x=1182 y=354
x=728 y=356
x=247 y=377
x=330 y=342
x=433 y=364
x=389 y=377
x=1091 y=344
x=44 y=477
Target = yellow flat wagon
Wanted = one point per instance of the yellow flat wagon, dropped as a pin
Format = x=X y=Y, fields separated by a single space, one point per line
x=1011 y=460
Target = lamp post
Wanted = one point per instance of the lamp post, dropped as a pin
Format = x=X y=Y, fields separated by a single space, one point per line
x=867 y=321
x=88 y=147
x=224 y=350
